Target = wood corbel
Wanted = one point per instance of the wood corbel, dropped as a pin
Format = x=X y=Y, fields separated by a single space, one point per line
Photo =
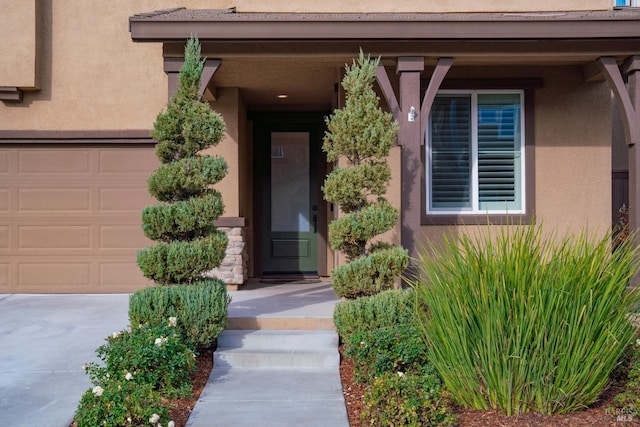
x=628 y=102
x=630 y=113
x=207 y=90
x=441 y=70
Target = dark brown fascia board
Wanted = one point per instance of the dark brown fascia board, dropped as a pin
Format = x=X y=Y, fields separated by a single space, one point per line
x=549 y=49
x=150 y=30
x=76 y=137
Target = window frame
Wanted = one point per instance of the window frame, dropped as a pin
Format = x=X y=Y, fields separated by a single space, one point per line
x=474 y=191
x=527 y=89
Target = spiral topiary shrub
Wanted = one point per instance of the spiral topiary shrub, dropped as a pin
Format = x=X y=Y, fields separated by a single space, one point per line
x=183 y=223
x=361 y=135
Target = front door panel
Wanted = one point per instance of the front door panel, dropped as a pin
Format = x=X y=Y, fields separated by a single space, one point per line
x=291 y=244
x=289 y=224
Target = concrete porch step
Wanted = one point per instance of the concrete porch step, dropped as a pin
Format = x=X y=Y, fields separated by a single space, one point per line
x=277 y=339
x=269 y=349
x=283 y=307
x=277 y=363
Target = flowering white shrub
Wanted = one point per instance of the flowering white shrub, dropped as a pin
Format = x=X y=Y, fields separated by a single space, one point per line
x=142 y=367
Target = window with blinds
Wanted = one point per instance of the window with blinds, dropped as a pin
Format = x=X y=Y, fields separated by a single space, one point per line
x=475 y=153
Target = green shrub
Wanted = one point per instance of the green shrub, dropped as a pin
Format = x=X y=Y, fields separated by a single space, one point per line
x=189 y=244
x=392 y=307
x=120 y=403
x=188 y=219
x=407 y=399
x=186 y=178
x=140 y=369
x=522 y=321
x=347 y=184
x=392 y=349
x=200 y=309
x=350 y=233
x=370 y=274
x=176 y=262
x=148 y=354
x=629 y=399
x=360 y=135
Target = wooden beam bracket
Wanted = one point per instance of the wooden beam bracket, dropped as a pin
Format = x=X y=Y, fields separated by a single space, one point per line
x=207 y=89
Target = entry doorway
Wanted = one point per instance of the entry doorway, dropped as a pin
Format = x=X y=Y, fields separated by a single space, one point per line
x=290 y=213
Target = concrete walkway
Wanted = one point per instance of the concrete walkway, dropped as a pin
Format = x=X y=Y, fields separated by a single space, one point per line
x=45 y=340
x=278 y=364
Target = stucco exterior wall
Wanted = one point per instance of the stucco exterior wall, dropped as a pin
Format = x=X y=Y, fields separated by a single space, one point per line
x=228 y=105
x=427 y=6
x=92 y=76
x=572 y=154
x=19 y=43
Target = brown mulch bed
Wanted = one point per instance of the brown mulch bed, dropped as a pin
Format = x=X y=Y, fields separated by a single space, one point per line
x=353 y=392
x=181 y=408
x=596 y=416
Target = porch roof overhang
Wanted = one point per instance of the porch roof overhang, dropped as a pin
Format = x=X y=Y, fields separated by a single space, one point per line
x=472 y=38
x=215 y=24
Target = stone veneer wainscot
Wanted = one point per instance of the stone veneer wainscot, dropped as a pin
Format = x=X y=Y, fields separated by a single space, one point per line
x=233 y=270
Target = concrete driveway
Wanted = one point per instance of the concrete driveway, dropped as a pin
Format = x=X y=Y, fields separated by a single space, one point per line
x=44 y=341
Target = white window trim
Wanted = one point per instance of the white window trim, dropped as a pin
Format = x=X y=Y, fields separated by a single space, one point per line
x=475 y=199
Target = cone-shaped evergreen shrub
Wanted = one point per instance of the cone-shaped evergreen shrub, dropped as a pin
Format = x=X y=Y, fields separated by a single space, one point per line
x=183 y=222
x=362 y=134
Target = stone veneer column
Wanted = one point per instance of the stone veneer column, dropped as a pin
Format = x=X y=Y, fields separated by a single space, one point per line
x=233 y=270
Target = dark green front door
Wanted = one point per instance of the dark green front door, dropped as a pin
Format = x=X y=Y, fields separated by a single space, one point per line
x=287 y=171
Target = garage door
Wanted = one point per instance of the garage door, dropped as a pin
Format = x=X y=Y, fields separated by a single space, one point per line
x=70 y=217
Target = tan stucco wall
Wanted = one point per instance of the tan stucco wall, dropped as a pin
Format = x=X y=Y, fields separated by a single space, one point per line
x=572 y=153
x=18 y=43
x=428 y=6
x=228 y=105
x=92 y=75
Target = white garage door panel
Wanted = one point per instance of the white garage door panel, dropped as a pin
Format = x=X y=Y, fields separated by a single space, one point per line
x=70 y=217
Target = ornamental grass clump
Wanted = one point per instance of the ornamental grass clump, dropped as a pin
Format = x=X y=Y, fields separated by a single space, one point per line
x=522 y=321
x=361 y=135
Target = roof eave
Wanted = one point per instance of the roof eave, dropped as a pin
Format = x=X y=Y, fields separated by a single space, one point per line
x=149 y=30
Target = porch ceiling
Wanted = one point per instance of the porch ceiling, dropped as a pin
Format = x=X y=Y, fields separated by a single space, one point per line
x=302 y=55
